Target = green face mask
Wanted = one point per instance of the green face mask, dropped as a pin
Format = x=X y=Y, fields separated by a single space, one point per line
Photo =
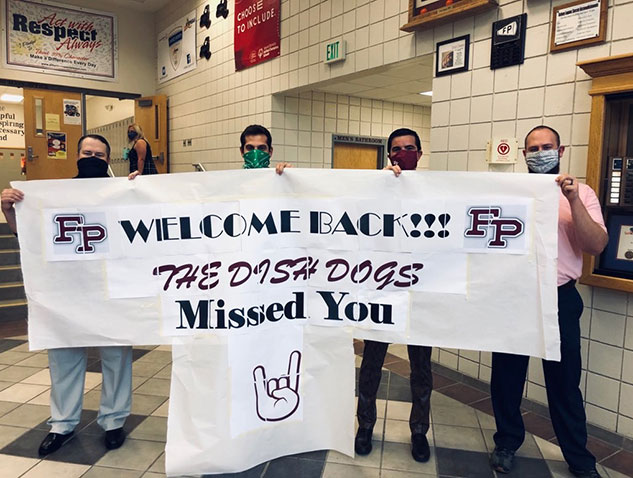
x=256 y=159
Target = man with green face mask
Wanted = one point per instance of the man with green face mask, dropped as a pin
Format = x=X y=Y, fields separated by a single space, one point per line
x=257 y=149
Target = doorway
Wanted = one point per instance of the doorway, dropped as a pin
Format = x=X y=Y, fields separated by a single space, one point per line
x=110 y=118
x=357 y=152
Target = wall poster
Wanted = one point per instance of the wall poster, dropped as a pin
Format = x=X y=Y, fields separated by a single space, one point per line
x=177 y=48
x=60 y=39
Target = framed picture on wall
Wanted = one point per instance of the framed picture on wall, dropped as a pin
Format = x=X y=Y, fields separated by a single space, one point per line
x=423 y=13
x=451 y=56
x=578 y=24
x=617 y=258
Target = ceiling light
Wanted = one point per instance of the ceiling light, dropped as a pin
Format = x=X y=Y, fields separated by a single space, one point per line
x=427 y=93
x=11 y=98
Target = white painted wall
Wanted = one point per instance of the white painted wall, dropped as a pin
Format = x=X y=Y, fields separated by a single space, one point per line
x=136 y=47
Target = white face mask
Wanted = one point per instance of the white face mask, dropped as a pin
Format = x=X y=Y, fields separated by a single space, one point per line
x=542 y=161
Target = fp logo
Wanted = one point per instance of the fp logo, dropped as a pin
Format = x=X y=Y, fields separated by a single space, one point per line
x=71 y=227
x=486 y=220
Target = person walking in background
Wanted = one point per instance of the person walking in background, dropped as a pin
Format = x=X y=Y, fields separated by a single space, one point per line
x=140 y=154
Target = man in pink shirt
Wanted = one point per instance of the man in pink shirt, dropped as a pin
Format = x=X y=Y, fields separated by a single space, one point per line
x=580 y=229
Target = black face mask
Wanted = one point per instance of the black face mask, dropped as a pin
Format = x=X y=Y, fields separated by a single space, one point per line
x=131 y=135
x=92 y=167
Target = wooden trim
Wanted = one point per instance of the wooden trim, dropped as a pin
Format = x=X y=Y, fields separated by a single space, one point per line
x=602 y=29
x=607 y=85
x=594 y=162
x=608 y=66
x=596 y=280
x=48 y=86
x=610 y=76
x=447 y=13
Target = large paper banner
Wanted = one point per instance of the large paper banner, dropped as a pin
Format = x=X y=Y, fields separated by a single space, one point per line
x=241 y=401
x=60 y=39
x=427 y=258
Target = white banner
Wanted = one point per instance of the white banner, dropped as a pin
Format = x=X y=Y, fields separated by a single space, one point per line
x=61 y=39
x=427 y=258
x=177 y=52
x=239 y=402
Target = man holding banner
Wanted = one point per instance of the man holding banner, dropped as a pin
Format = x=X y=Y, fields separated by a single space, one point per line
x=68 y=365
x=256 y=147
x=405 y=150
x=580 y=229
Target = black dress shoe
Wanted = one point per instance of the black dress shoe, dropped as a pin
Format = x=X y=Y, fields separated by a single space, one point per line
x=114 y=438
x=420 y=448
x=53 y=442
x=362 y=443
x=592 y=473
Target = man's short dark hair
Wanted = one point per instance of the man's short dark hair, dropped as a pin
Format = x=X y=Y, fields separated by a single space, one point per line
x=542 y=126
x=403 y=132
x=98 y=137
x=253 y=130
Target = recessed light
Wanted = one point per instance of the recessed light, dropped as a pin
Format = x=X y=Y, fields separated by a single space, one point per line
x=427 y=93
x=11 y=98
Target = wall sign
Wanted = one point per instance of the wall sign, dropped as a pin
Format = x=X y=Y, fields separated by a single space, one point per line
x=335 y=51
x=177 y=48
x=502 y=151
x=508 y=42
x=60 y=39
x=578 y=24
x=257 y=32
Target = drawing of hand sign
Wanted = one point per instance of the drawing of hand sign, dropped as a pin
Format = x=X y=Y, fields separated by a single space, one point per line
x=277 y=398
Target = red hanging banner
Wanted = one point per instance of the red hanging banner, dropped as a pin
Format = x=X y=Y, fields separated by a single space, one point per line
x=257 y=35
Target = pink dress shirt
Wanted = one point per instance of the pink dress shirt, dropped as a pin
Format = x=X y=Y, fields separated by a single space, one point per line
x=569 y=253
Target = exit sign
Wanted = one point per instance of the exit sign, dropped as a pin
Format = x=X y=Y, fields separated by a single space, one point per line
x=335 y=51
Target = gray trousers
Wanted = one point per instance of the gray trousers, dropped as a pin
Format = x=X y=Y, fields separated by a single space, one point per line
x=68 y=374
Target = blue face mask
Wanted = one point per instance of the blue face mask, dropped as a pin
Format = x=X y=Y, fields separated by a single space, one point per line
x=542 y=161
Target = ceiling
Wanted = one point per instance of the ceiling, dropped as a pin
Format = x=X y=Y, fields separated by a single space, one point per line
x=400 y=82
x=142 y=5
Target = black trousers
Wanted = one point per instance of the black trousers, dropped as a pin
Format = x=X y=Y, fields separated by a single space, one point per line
x=562 y=380
x=421 y=385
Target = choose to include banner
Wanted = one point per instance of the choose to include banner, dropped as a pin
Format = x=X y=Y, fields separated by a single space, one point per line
x=429 y=258
x=60 y=39
x=257 y=32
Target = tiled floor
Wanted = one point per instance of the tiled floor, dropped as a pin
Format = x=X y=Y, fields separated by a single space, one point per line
x=460 y=435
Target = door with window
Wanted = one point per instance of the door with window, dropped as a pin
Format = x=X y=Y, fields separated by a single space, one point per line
x=52 y=127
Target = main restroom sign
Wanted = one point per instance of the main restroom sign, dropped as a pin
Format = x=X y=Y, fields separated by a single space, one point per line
x=60 y=39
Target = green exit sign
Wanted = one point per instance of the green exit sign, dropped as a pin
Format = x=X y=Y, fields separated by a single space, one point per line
x=335 y=51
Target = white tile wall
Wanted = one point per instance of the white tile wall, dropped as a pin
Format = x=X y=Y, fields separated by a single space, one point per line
x=213 y=104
